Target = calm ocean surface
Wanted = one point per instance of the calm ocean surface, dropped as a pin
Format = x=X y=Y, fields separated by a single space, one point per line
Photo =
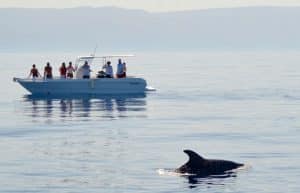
x=240 y=106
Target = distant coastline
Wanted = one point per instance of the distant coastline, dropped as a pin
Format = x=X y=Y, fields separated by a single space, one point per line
x=79 y=29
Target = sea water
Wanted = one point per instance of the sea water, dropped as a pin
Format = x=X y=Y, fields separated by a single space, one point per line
x=239 y=106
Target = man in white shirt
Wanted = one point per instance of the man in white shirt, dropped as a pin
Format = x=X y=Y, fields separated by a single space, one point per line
x=108 y=70
x=86 y=70
x=121 y=70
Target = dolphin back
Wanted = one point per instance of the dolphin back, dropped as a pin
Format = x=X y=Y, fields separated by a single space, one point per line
x=201 y=166
x=221 y=166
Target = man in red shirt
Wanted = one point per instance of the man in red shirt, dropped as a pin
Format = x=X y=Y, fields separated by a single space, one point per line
x=63 y=70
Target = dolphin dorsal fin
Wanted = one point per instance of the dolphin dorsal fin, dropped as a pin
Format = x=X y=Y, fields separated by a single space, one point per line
x=193 y=156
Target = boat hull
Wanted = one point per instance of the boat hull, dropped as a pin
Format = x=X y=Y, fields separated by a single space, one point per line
x=83 y=86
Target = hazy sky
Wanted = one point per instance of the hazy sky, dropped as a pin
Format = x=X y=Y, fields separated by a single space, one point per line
x=149 y=5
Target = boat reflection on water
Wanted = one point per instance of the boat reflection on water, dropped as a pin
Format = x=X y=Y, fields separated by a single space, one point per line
x=84 y=107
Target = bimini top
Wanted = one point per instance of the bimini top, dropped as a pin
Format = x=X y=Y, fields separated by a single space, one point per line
x=92 y=57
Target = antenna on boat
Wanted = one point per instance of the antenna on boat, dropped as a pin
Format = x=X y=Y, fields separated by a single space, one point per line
x=95 y=49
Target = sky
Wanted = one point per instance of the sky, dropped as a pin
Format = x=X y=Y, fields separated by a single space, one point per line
x=148 y=5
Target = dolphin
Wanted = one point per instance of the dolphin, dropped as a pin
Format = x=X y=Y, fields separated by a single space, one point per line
x=205 y=167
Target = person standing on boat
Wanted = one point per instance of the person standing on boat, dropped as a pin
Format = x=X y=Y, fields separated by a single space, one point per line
x=63 y=70
x=108 y=70
x=86 y=70
x=48 y=71
x=34 y=72
x=70 y=70
x=121 y=70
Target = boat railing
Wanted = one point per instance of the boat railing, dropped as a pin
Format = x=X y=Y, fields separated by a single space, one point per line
x=60 y=78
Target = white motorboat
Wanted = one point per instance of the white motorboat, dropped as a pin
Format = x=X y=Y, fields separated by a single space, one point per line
x=78 y=85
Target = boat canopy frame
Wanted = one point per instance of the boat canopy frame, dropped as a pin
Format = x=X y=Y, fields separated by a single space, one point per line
x=104 y=59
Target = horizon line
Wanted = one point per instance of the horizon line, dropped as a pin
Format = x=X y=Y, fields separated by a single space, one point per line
x=148 y=11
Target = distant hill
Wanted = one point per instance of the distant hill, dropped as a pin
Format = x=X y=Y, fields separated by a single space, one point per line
x=78 y=29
